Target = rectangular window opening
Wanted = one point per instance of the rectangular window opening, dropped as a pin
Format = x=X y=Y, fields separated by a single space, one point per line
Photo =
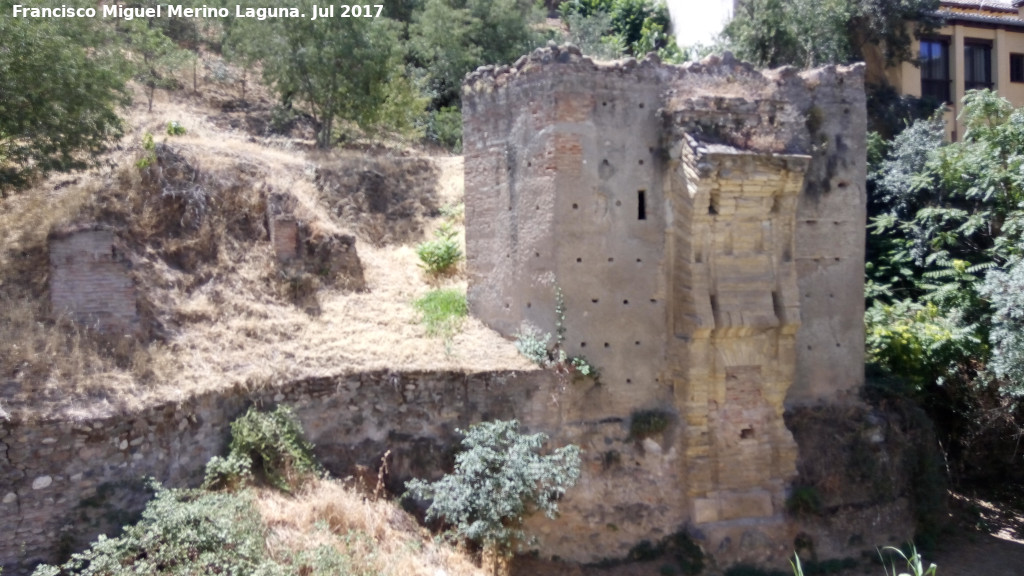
x=1016 y=67
x=977 y=65
x=641 y=201
x=935 y=75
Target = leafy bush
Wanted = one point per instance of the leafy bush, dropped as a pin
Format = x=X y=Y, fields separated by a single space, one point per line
x=1005 y=291
x=181 y=532
x=499 y=479
x=273 y=445
x=533 y=344
x=174 y=128
x=917 y=342
x=610 y=28
x=442 y=311
x=149 y=157
x=444 y=127
x=440 y=255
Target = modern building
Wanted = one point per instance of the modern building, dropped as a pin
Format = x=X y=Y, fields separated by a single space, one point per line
x=980 y=46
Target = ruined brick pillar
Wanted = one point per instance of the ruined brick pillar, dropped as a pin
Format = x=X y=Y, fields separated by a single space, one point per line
x=735 y=318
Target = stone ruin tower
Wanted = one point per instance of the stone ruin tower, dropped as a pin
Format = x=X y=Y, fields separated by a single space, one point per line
x=706 y=226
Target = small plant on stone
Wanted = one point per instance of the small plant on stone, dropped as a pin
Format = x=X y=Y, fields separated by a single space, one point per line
x=537 y=345
x=440 y=255
x=533 y=343
x=500 y=478
x=582 y=366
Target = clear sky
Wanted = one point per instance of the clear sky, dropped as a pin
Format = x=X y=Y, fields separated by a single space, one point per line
x=698 y=21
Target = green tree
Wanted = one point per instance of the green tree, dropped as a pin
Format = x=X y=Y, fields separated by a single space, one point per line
x=341 y=69
x=155 y=56
x=634 y=26
x=811 y=33
x=61 y=85
x=450 y=38
x=499 y=479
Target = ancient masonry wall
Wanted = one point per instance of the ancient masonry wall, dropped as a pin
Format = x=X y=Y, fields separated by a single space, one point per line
x=65 y=480
x=90 y=280
x=705 y=224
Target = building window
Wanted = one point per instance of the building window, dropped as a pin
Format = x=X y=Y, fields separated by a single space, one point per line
x=977 y=66
x=935 y=78
x=1016 y=67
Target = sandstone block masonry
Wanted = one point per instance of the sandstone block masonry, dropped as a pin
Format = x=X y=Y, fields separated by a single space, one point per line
x=705 y=224
x=90 y=279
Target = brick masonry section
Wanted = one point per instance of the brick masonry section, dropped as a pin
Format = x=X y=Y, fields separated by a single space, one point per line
x=90 y=280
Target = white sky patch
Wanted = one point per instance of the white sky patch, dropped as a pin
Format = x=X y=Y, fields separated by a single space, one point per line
x=698 y=21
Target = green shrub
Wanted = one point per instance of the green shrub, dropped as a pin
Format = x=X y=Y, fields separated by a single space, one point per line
x=442 y=311
x=273 y=445
x=499 y=479
x=181 y=532
x=440 y=255
x=533 y=344
x=149 y=158
x=444 y=127
x=174 y=128
x=917 y=342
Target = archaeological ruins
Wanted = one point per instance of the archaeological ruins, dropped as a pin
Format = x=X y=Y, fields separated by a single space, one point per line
x=705 y=224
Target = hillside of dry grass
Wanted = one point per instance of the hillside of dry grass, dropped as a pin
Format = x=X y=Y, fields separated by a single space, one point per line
x=210 y=294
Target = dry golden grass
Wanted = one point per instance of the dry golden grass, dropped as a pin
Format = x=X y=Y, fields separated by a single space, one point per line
x=378 y=536
x=214 y=293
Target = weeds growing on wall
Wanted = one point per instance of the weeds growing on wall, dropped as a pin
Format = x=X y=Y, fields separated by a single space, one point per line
x=537 y=346
x=266 y=445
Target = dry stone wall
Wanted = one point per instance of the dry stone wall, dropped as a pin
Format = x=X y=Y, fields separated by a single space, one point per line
x=66 y=480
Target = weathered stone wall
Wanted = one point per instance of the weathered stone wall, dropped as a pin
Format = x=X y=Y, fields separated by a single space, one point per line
x=64 y=481
x=302 y=249
x=90 y=280
x=736 y=312
x=682 y=211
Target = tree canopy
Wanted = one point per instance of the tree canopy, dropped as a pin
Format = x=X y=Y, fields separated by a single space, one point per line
x=61 y=86
x=809 y=33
